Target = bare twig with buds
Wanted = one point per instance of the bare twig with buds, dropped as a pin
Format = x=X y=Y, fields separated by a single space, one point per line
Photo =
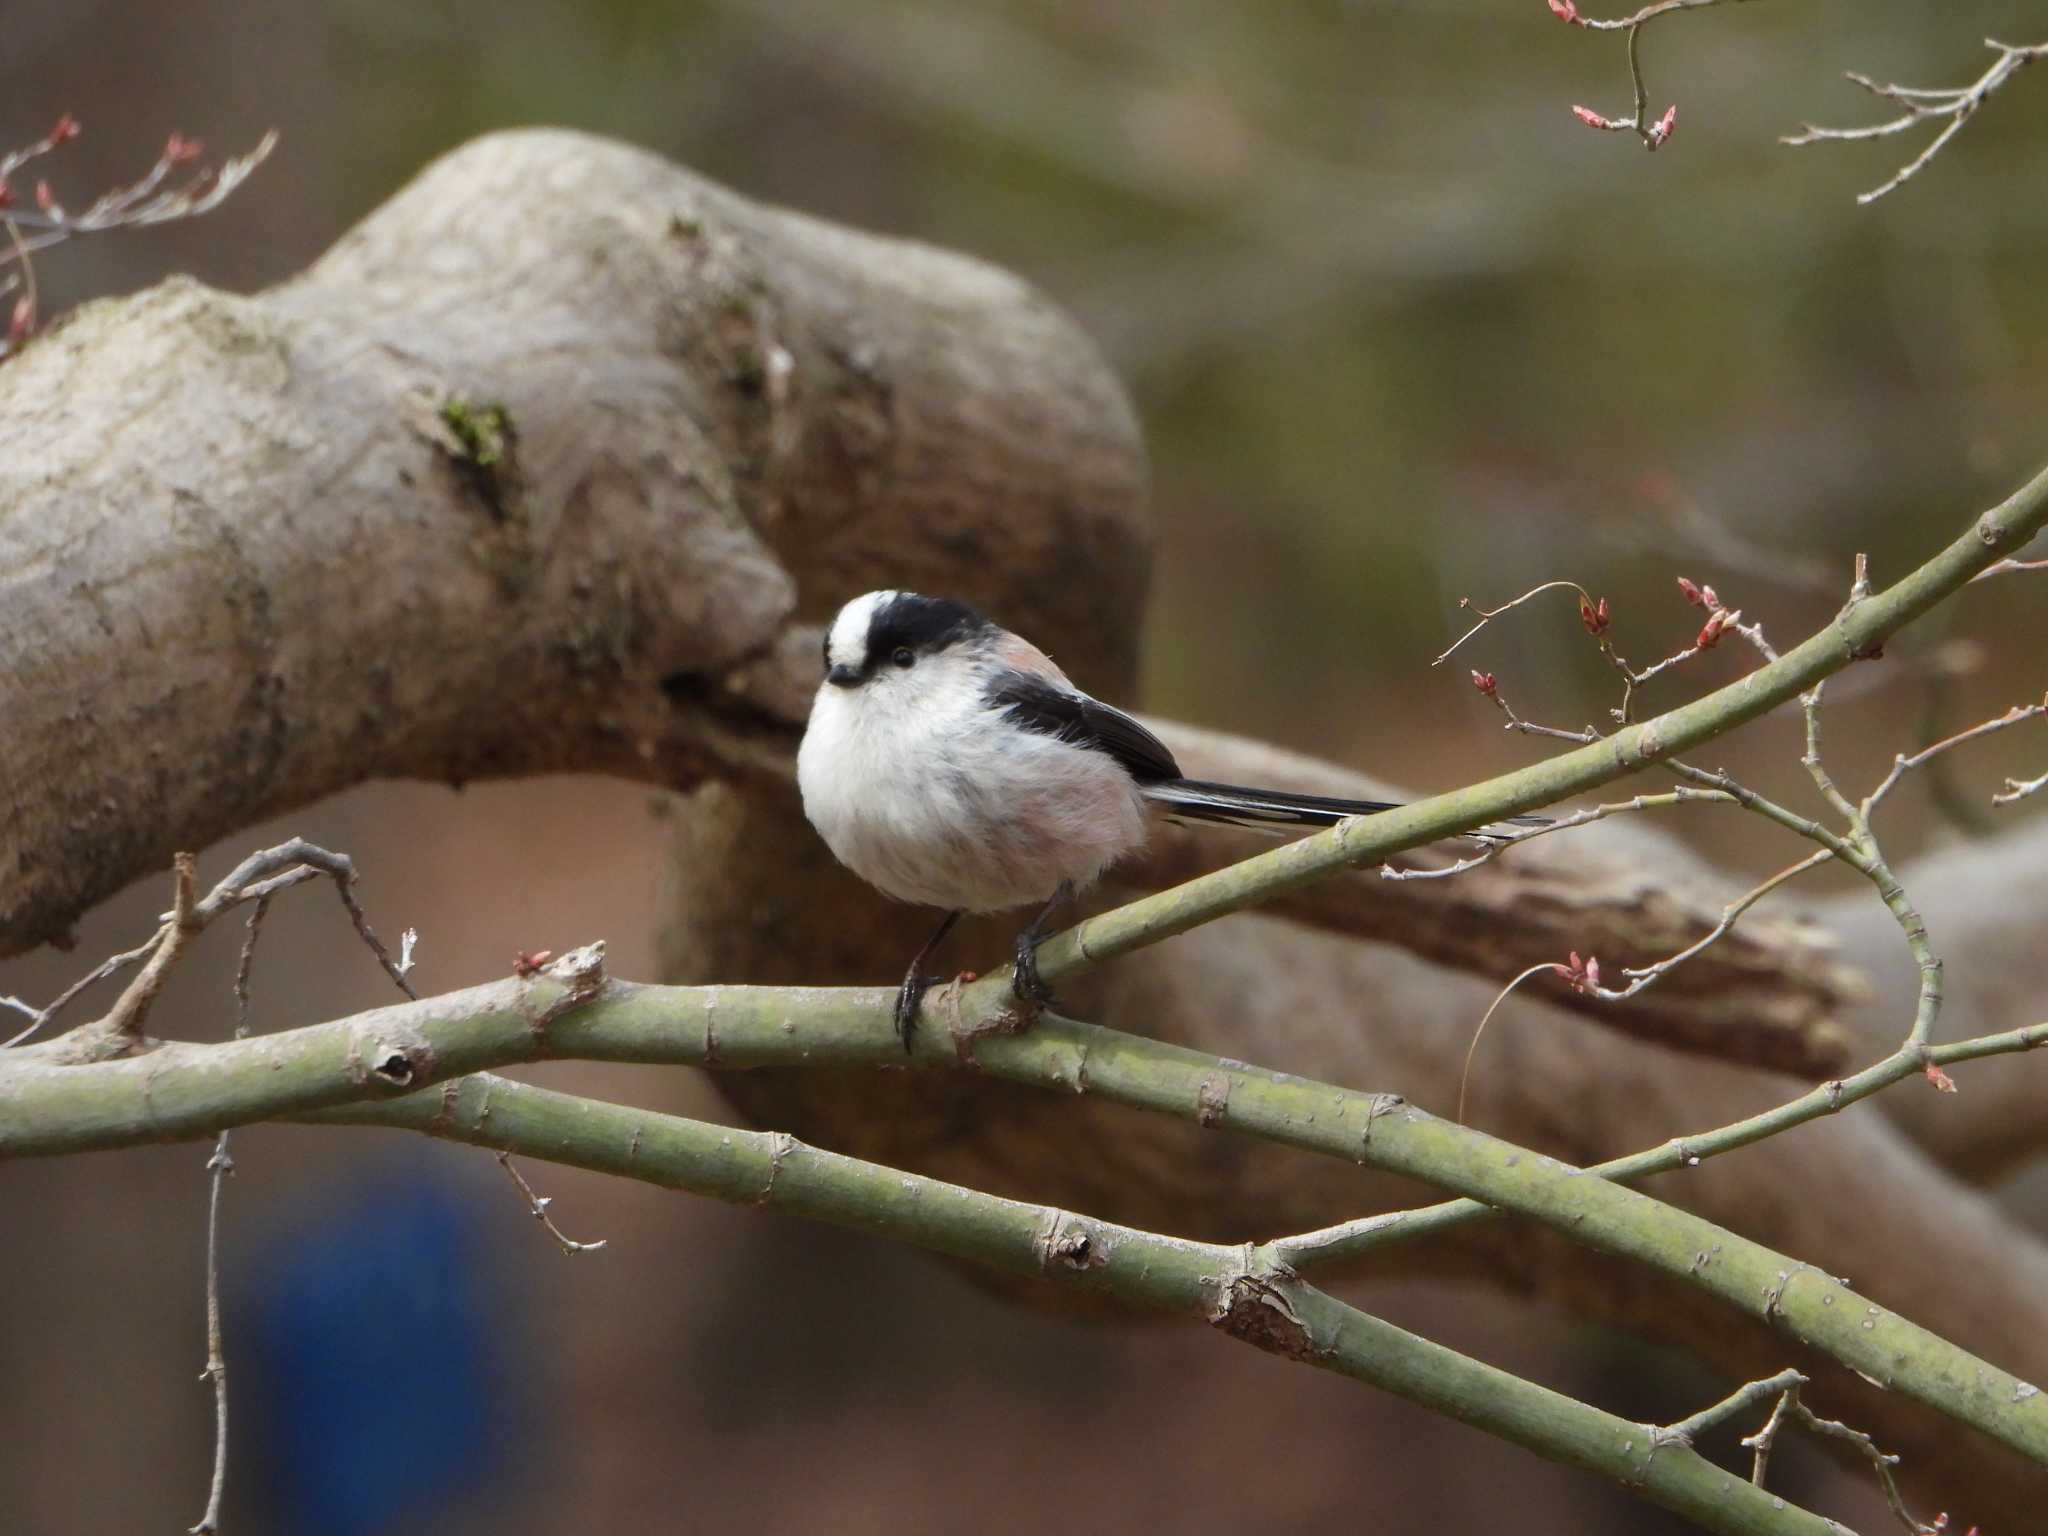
x=1854 y=843
x=1950 y=106
x=158 y=197
x=1653 y=132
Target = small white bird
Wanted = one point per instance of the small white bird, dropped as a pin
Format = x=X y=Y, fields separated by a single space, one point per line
x=949 y=763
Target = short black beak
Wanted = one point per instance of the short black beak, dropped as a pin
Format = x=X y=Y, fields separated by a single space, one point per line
x=843 y=676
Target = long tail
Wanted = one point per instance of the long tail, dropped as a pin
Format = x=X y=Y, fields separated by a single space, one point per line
x=1274 y=810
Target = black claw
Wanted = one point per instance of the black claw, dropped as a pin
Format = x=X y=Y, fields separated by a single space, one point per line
x=915 y=982
x=1026 y=982
x=909 y=997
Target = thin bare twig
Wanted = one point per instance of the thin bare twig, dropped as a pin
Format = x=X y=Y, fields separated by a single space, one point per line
x=1389 y=872
x=131 y=1009
x=218 y=1167
x=260 y=876
x=1488 y=615
x=538 y=1205
x=1509 y=838
x=253 y=880
x=2007 y=567
x=1765 y=1440
x=1648 y=975
x=1487 y=686
x=1472 y=1049
x=1950 y=106
x=1790 y=1407
x=154 y=199
x=1741 y=1400
x=2019 y=789
x=1902 y=764
x=111 y=966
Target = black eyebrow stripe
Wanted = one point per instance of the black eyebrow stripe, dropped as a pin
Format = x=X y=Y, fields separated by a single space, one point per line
x=924 y=624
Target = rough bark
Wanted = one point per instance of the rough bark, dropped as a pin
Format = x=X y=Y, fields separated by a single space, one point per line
x=256 y=549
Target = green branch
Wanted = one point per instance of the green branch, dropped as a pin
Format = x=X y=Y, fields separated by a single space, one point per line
x=1228 y=1287
x=568 y=1011
x=1859 y=631
x=1359 y=1237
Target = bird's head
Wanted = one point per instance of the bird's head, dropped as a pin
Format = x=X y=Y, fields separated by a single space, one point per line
x=890 y=634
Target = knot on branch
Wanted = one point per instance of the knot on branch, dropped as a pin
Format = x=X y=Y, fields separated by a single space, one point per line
x=1071 y=1242
x=1256 y=1308
x=1212 y=1100
x=579 y=973
x=399 y=1060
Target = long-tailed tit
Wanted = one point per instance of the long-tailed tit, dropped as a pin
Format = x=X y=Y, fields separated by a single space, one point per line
x=949 y=763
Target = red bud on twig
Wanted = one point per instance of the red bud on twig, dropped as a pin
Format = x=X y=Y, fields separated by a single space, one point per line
x=1583 y=975
x=1941 y=1081
x=1710 y=633
x=1690 y=593
x=1483 y=681
x=1565 y=10
x=1595 y=616
x=1660 y=130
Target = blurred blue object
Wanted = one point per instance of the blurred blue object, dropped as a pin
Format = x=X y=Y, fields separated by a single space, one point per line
x=371 y=1360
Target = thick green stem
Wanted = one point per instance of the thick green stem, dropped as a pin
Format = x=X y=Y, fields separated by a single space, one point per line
x=1354 y=1238
x=180 y=1091
x=1228 y=1287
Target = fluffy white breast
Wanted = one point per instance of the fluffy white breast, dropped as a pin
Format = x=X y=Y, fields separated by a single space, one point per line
x=933 y=797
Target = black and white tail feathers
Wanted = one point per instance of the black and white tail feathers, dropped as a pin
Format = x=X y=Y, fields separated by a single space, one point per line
x=1040 y=704
x=1275 y=810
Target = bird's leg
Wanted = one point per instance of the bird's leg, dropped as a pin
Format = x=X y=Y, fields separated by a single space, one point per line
x=1027 y=983
x=915 y=981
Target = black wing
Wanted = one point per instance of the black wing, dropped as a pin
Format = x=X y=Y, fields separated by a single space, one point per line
x=1038 y=705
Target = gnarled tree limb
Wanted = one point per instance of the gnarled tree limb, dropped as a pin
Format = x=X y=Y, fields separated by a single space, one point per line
x=514 y=479
x=541 y=468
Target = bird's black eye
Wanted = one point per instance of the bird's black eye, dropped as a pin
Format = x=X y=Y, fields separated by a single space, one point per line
x=903 y=656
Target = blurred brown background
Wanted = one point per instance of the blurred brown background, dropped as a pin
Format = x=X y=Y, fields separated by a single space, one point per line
x=1400 y=330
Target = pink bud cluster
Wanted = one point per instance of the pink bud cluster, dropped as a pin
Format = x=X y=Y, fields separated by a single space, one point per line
x=1718 y=617
x=1583 y=975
